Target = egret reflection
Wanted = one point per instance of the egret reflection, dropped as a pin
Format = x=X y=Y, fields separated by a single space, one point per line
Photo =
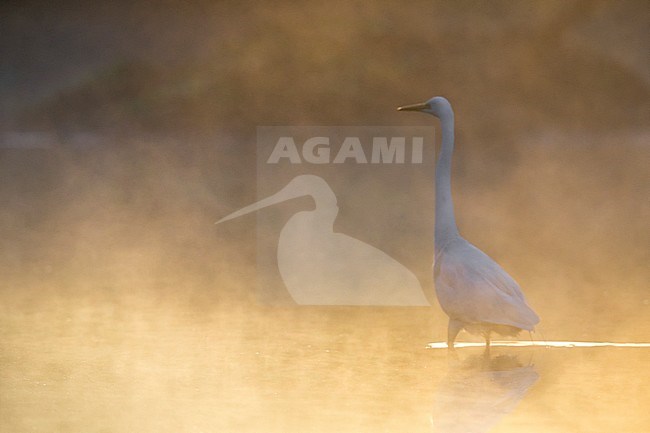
x=478 y=392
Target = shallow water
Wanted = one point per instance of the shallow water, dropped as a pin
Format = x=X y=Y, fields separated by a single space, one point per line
x=71 y=365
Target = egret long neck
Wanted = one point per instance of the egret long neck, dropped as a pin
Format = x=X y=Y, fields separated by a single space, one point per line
x=445 y=226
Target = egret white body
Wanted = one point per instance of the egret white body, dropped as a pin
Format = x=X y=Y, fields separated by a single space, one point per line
x=322 y=267
x=473 y=290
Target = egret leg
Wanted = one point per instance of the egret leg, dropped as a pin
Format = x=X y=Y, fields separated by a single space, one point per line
x=453 y=329
x=487 y=344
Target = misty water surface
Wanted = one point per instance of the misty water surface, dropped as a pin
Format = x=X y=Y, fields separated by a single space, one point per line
x=127 y=130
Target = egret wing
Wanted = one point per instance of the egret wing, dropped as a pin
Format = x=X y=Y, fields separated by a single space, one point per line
x=474 y=288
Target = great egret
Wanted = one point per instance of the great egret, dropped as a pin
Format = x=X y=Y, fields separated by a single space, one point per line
x=322 y=267
x=473 y=290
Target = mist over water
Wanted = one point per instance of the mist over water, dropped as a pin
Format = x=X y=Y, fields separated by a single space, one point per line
x=124 y=308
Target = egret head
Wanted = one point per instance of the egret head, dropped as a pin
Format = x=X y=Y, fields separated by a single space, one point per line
x=437 y=106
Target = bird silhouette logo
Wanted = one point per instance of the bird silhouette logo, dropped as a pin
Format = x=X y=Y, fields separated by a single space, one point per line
x=322 y=267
